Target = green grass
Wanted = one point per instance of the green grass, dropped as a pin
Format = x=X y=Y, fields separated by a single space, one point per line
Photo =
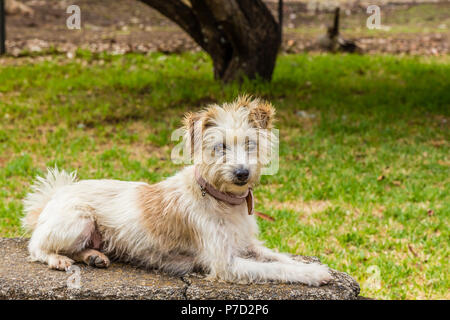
x=363 y=181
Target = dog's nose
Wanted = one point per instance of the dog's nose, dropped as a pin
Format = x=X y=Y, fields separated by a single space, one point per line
x=242 y=174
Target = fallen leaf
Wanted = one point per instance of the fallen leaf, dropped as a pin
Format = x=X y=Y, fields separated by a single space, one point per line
x=437 y=143
x=412 y=250
x=264 y=216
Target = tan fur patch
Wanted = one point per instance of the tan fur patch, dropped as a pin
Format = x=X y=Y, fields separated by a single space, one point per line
x=262 y=115
x=85 y=256
x=164 y=219
x=261 y=112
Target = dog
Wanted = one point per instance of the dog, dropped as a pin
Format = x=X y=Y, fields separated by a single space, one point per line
x=200 y=219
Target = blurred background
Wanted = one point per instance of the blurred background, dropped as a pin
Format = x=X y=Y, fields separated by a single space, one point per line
x=121 y=26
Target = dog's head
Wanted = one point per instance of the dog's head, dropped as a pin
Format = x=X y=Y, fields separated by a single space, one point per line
x=231 y=143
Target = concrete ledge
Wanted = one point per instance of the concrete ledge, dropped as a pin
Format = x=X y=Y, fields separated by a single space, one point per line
x=21 y=279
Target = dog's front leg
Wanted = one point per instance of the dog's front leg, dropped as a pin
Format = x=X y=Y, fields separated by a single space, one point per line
x=263 y=253
x=245 y=270
x=223 y=264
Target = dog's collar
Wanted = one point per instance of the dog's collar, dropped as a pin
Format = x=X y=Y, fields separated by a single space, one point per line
x=225 y=197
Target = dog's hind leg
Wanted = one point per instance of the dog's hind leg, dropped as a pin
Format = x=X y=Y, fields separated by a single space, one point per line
x=58 y=262
x=92 y=258
x=60 y=233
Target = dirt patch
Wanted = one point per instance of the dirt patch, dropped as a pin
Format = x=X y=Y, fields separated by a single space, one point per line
x=305 y=207
x=3 y=162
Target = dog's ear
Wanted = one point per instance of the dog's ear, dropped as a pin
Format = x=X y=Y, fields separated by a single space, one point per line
x=189 y=121
x=189 y=125
x=195 y=124
x=261 y=114
x=205 y=118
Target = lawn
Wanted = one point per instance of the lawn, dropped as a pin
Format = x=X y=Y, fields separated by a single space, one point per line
x=364 y=154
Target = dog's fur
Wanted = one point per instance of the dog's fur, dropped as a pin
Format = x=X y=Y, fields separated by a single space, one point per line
x=169 y=225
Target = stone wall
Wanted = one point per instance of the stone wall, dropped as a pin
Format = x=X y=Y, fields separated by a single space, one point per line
x=22 y=279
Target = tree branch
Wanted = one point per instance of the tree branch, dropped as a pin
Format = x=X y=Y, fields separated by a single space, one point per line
x=181 y=14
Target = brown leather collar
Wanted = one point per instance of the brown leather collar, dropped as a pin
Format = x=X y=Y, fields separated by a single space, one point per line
x=225 y=197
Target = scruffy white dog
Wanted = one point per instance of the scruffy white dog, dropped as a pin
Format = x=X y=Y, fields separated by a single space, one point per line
x=199 y=219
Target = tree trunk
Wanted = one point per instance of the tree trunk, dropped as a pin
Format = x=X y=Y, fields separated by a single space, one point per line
x=241 y=36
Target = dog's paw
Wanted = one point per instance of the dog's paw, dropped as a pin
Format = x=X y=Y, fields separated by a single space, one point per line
x=316 y=274
x=59 y=262
x=98 y=260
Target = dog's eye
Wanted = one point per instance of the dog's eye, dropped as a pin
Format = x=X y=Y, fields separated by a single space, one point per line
x=251 y=145
x=220 y=148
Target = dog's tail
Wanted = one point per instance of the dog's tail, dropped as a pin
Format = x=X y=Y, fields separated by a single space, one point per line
x=41 y=192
